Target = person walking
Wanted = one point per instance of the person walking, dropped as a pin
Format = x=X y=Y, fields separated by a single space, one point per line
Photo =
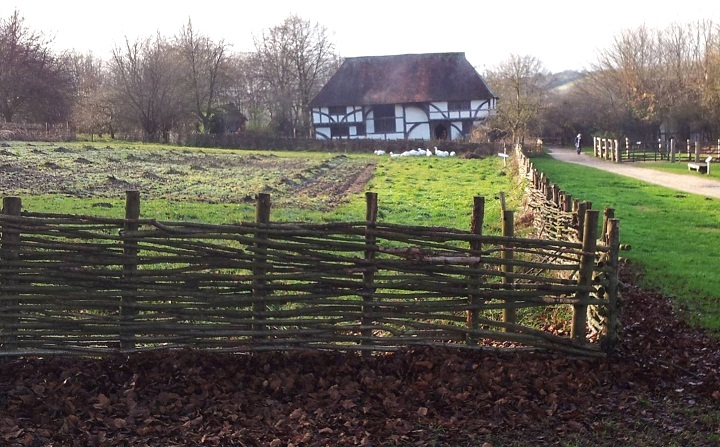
x=578 y=142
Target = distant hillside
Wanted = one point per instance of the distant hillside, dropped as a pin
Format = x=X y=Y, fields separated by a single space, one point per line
x=563 y=79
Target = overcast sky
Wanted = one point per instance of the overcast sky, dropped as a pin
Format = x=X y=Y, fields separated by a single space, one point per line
x=562 y=34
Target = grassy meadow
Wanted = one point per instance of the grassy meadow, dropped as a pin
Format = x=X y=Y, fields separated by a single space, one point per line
x=219 y=186
x=674 y=235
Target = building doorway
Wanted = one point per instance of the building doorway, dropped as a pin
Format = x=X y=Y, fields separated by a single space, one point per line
x=440 y=132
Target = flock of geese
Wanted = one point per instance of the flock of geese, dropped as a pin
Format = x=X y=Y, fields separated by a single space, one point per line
x=418 y=153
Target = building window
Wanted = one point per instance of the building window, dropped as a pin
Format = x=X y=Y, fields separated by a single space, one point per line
x=340 y=131
x=384 y=117
x=458 y=106
x=337 y=110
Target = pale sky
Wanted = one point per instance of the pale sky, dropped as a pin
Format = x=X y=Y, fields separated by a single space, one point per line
x=562 y=34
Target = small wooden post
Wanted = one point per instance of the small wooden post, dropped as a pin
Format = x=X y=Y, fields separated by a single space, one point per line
x=509 y=312
x=595 y=146
x=262 y=218
x=128 y=311
x=612 y=322
x=555 y=197
x=688 y=149
x=10 y=252
x=627 y=147
x=609 y=214
x=476 y=224
x=585 y=276
x=660 y=151
x=580 y=209
x=697 y=152
x=547 y=187
x=368 y=294
x=672 y=150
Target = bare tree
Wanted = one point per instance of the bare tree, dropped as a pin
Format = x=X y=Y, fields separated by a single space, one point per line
x=150 y=87
x=94 y=110
x=295 y=59
x=519 y=82
x=206 y=71
x=631 y=65
x=707 y=81
x=33 y=81
x=247 y=89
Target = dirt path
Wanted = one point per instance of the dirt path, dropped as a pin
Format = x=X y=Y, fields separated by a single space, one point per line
x=694 y=184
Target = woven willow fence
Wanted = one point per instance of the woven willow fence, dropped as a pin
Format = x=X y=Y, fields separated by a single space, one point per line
x=559 y=216
x=90 y=285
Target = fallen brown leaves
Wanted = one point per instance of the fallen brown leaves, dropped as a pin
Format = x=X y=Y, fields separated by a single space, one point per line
x=425 y=396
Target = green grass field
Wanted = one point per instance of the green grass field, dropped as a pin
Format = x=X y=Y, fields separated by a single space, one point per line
x=674 y=235
x=219 y=186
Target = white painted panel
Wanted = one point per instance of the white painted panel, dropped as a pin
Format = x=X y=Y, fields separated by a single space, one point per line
x=421 y=132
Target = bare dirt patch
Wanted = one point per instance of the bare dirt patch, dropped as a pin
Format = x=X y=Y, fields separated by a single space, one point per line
x=187 y=175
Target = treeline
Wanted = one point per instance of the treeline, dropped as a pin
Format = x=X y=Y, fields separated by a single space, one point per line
x=159 y=86
x=649 y=83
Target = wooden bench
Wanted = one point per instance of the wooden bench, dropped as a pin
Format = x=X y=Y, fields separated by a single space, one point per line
x=701 y=167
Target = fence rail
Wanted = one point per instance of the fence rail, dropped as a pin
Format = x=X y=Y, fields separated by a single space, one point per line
x=89 y=285
x=671 y=150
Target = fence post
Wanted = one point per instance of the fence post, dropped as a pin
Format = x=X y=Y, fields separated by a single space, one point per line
x=262 y=218
x=509 y=312
x=672 y=150
x=688 y=149
x=555 y=195
x=368 y=295
x=476 y=224
x=612 y=323
x=627 y=148
x=617 y=155
x=595 y=146
x=580 y=208
x=697 y=151
x=609 y=214
x=585 y=276
x=9 y=252
x=128 y=311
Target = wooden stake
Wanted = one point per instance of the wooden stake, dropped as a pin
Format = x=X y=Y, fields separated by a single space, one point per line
x=9 y=252
x=585 y=277
x=612 y=323
x=368 y=294
x=128 y=311
x=262 y=217
x=509 y=313
x=478 y=216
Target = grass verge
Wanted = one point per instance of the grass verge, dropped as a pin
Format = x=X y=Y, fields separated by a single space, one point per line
x=674 y=235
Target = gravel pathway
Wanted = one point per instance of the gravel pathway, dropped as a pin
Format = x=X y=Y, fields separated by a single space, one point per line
x=694 y=184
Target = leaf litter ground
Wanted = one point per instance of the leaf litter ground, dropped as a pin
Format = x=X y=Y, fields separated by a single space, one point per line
x=662 y=387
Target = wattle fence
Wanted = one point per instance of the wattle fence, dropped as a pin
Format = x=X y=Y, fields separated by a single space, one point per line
x=89 y=285
x=557 y=215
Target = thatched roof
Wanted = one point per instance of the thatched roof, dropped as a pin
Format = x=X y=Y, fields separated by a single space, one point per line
x=402 y=79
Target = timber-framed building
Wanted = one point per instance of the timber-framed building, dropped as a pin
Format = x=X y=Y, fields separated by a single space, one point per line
x=409 y=96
